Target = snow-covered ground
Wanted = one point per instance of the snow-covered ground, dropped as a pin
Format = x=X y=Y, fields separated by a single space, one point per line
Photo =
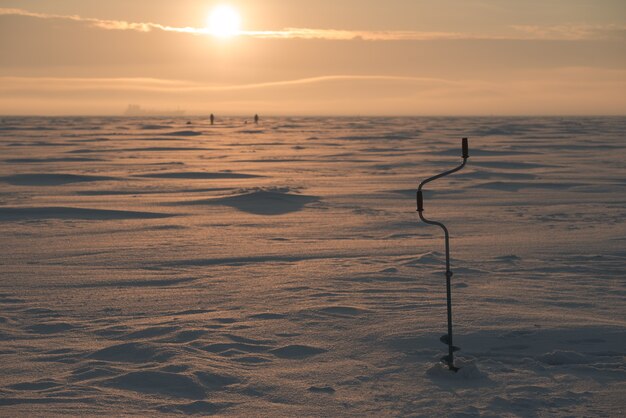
x=150 y=266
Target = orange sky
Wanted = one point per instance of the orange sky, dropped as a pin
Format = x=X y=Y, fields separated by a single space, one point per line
x=398 y=57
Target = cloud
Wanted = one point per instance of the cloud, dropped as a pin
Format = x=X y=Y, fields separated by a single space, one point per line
x=347 y=35
x=105 y=24
x=571 y=32
x=289 y=33
x=16 y=85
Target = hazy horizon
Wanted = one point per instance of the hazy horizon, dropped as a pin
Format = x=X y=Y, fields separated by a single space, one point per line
x=307 y=116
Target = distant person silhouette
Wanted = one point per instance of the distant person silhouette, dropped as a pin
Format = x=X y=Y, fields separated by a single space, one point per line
x=256 y=119
x=212 y=117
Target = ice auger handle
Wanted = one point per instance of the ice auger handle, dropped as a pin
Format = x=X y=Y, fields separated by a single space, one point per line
x=420 y=201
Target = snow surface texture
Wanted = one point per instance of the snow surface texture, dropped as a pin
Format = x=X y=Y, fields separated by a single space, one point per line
x=154 y=267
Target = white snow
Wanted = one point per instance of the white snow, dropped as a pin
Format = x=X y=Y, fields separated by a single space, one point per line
x=150 y=266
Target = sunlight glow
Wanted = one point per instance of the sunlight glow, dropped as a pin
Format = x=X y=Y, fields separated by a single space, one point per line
x=224 y=22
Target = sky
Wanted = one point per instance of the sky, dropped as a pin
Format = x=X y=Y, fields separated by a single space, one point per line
x=322 y=57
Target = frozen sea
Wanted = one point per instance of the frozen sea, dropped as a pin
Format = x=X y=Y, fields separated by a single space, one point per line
x=159 y=266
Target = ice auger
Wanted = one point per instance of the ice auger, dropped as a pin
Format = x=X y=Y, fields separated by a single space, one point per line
x=446 y=339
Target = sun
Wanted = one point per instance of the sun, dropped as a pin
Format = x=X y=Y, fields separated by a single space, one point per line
x=224 y=22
